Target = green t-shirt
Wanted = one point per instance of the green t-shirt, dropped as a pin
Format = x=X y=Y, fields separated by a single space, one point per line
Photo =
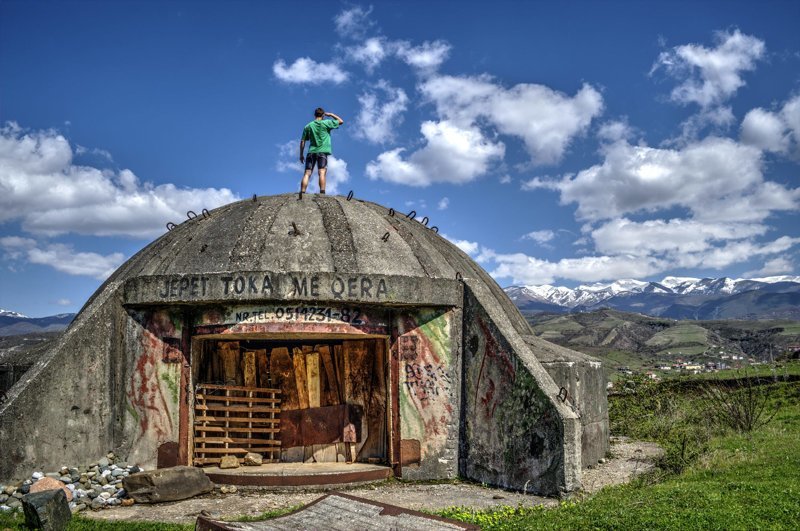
x=319 y=133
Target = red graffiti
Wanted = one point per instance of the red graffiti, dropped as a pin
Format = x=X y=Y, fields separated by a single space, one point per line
x=492 y=351
x=144 y=391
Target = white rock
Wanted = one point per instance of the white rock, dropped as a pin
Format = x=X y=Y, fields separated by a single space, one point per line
x=105 y=495
x=106 y=472
x=71 y=486
x=37 y=476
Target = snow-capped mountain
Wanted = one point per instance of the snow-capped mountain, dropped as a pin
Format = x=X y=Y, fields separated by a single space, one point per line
x=680 y=297
x=9 y=313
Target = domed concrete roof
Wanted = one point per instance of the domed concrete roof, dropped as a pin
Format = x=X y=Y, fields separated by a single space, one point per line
x=318 y=234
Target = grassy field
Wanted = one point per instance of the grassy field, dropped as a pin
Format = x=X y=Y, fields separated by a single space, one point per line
x=682 y=334
x=725 y=479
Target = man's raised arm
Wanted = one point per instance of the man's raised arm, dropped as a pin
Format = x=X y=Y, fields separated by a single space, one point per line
x=335 y=117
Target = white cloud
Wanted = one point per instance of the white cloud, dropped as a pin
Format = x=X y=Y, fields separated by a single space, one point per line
x=63 y=302
x=540 y=236
x=716 y=179
x=353 y=22
x=614 y=131
x=378 y=120
x=426 y=57
x=776 y=266
x=63 y=258
x=505 y=179
x=523 y=269
x=778 y=132
x=370 y=53
x=306 y=70
x=672 y=237
x=443 y=203
x=337 y=175
x=465 y=245
x=713 y=75
x=42 y=187
x=451 y=154
x=546 y=120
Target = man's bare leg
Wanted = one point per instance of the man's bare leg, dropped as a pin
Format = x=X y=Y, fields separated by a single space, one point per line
x=304 y=182
x=322 y=173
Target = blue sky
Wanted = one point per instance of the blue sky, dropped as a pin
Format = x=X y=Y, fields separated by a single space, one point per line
x=558 y=143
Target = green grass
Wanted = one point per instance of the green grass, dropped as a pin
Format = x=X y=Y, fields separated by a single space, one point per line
x=80 y=523
x=681 y=334
x=738 y=481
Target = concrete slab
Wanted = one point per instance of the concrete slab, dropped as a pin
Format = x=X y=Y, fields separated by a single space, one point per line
x=299 y=474
x=339 y=511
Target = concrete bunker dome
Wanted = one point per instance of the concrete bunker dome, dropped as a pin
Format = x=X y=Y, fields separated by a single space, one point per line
x=308 y=298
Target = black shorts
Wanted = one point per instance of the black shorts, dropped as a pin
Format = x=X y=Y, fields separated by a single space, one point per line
x=320 y=159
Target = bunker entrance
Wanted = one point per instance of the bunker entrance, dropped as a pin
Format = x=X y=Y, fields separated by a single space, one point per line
x=291 y=400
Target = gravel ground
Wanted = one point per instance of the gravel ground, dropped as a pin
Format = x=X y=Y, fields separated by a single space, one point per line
x=627 y=459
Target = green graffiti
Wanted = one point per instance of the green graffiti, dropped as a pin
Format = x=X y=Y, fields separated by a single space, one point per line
x=132 y=411
x=520 y=412
x=436 y=329
x=172 y=384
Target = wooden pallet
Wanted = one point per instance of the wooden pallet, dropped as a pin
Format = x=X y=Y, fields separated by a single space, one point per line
x=235 y=420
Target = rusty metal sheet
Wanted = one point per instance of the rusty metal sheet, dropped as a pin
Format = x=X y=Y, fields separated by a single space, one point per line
x=410 y=452
x=319 y=425
x=167 y=455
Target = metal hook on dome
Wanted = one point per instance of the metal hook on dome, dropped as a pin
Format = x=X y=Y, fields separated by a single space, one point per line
x=203 y=247
x=170 y=225
x=435 y=229
x=385 y=237
x=425 y=221
x=206 y=213
x=191 y=214
x=350 y=195
x=563 y=394
x=412 y=214
x=295 y=231
x=391 y=212
x=459 y=276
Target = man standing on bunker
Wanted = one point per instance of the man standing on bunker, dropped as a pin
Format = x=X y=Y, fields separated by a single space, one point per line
x=318 y=132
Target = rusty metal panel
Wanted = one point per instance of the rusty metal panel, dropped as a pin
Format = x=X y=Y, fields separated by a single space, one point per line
x=410 y=452
x=167 y=455
x=319 y=425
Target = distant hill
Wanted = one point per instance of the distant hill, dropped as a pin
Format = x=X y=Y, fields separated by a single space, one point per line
x=13 y=323
x=623 y=339
x=673 y=297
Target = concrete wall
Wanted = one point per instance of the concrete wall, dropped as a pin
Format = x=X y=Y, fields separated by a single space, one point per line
x=429 y=365
x=63 y=410
x=516 y=434
x=585 y=381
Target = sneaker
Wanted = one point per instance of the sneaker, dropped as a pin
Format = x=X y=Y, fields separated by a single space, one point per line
x=300 y=196
x=322 y=192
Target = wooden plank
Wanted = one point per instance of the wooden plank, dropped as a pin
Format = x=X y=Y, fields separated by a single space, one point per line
x=331 y=394
x=282 y=372
x=240 y=409
x=376 y=444
x=263 y=368
x=300 y=376
x=212 y=418
x=340 y=453
x=239 y=450
x=358 y=381
x=241 y=387
x=325 y=453
x=226 y=439
x=229 y=354
x=294 y=454
x=313 y=379
x=221 y=429
x=255 y=399
x=249 y=368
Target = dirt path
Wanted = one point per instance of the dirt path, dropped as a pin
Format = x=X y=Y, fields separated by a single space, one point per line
x=629 y=458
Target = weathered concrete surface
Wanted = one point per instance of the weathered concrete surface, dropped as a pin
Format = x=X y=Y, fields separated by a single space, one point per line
x=47 y=510
x=343 y=512
x=517 y=434
x=39 y=433
x=167 y=484
x=585 y=381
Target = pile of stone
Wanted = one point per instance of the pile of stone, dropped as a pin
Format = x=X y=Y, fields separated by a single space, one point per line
x=96 y=486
